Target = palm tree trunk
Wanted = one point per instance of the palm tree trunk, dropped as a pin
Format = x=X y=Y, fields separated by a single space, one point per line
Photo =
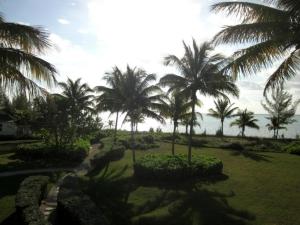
x=116 y=127
x=222 y=127
x=243 y=131
x=274 y=135
x=132 y=141
x=186 y=129
x=173 y=139
x=191 y=128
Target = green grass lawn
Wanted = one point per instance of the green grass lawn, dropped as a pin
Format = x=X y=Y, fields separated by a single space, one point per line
x=256 y=188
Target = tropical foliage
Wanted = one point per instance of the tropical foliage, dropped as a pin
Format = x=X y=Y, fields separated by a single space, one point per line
x=281 y=109
x=245 y=119
x=272 y=31
x=199 y=73
x=20 y=66
x=224 y=109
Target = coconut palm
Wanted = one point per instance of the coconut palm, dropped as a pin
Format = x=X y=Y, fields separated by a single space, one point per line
x=186 y=121
x=110 y=98
x=139 y=97
x=199 y=73
x=245 y=119
x=20 y=67
x=177 y=108
x=79 y=101
x=223 y=110
x=271 y=30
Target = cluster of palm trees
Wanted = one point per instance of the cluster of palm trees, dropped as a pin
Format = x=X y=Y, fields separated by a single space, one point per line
x=271 y=32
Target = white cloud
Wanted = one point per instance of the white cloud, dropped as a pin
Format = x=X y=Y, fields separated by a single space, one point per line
x=63 y=21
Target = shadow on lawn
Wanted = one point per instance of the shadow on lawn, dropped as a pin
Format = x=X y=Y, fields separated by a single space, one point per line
x=252 y=155
x=185 y=203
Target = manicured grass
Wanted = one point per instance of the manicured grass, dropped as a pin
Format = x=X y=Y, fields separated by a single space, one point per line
x=256 y=188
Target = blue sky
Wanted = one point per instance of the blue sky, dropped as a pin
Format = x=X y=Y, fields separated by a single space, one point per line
x=91 y=36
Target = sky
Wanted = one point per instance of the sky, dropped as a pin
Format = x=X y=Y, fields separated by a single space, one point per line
x=91 y=36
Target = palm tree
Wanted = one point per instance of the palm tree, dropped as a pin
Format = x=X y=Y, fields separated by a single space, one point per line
x=272 y=32
x=79 y=101
x=186 y=121
x=177 y=108
x=140 y=98
x=110 y=123
x=110 y=98
x=20 y=67
x=199 y=72
x=245 y=119
x=223 y=110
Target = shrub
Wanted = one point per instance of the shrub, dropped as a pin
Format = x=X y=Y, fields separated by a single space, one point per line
x=81 y=145
x=143 y=143
x=234 y=146
x=28 y=199
x=74 y=207
x=293 y=148
x=168 y=167
x=107 y=154
x=43 y=151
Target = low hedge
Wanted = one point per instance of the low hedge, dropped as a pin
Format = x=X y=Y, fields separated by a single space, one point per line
x=43 y=151
x=107 y=154
x=168 y=167
x=293 y=148
x=143 y=142
x=28 y=199
x=74 y=207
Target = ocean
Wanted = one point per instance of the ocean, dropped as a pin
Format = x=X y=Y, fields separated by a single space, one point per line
x=210 y=125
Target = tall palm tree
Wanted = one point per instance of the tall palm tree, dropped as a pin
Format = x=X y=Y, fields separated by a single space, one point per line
x=110 y=98
x=139 y=97
x=223 y=110
x=199 y=73
x=20 y=67
x=272 y=30
x=245 y=119
x=79 y=101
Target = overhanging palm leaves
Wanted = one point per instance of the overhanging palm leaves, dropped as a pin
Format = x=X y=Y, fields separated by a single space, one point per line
x=199 y=73
x=274 y=29
x=20 y=67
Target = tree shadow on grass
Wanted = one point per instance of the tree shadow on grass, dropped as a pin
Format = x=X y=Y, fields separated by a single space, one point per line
x=110 y=192
x=198 y=206
x=259 y=157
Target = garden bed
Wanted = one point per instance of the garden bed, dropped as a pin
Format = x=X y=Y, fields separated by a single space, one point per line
x=168 y=167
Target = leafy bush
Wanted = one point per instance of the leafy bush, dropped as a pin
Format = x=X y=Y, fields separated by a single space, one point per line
x=293 y=148
x=74 y=207
x=142 y=143
x=81 y=145
x=28 y=199
x=234 y=146
x=43 y=151
x=107 y=154
x=169 y=167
